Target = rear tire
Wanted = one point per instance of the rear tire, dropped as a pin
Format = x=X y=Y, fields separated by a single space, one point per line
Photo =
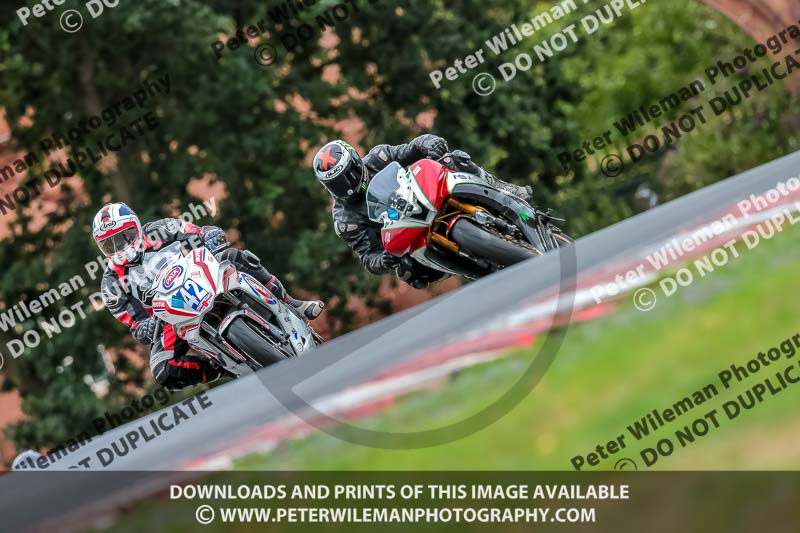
x=242 y=336
x=486 y=245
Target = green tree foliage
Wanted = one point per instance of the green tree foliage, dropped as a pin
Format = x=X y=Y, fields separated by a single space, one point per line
x=653 y=51
x=516 y=131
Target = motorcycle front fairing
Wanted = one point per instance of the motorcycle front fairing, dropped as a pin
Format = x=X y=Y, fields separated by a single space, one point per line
x=187 y=287
x=474 y=190
x=407 y=201
x=396 y=200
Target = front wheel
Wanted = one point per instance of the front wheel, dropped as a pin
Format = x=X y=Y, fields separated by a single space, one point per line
x=489 y=246
x=243 y=336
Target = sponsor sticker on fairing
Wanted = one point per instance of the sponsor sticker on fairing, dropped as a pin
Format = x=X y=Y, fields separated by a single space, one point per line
x=268 y=296
x=171 y=276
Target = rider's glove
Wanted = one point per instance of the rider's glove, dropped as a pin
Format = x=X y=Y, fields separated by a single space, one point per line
x=417 y=275
x=461 y=160
x=405 y=270
x=144 y=331
x=434 y=146
x=409 y=271
x=388 y=261
x=214 y=239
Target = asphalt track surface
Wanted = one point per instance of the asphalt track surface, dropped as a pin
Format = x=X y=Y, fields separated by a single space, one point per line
x=243 y=405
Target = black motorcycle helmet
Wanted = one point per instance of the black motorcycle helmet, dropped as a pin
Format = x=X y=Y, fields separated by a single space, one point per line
x=340 y=170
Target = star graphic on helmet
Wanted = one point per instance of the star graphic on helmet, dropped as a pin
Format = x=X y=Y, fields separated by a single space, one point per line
x=326 y=158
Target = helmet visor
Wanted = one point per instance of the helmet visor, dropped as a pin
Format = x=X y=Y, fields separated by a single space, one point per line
x=119 y=241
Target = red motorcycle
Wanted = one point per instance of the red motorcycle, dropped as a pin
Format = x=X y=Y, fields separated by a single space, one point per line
x=452 y=221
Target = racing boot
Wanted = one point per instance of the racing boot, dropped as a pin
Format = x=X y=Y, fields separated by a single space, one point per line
x=462 y=160
x=251 y=264
x=308 y=309
x=525 y=193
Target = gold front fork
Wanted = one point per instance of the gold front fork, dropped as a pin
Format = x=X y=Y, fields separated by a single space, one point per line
x=460 y=207
x=444 y=242
x=466 y=208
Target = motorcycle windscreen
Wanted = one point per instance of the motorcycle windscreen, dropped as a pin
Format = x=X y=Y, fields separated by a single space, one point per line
x=145 y=274
x=388 y=196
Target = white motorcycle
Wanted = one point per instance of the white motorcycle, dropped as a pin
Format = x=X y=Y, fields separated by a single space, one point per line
x=224 y=314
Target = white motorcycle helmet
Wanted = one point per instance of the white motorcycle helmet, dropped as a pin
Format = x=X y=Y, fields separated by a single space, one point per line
x=118 y=233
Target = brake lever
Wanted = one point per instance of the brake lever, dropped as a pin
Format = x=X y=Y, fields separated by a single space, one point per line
x=549 y=217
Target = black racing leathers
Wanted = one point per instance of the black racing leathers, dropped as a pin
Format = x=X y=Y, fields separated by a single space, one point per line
x=350 y=219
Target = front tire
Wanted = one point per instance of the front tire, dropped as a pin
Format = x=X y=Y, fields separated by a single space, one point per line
x=486 y=245
x=242 y=335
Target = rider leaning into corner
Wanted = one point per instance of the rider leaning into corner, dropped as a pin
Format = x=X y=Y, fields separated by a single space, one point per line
x=124 y=242
x=345 y=175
